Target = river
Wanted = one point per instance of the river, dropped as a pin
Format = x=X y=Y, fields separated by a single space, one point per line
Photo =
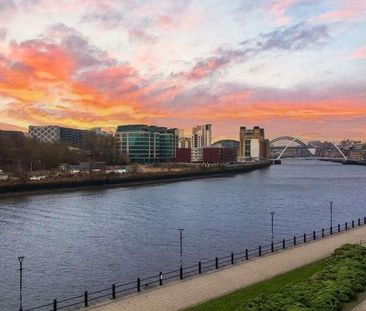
x=87 y=240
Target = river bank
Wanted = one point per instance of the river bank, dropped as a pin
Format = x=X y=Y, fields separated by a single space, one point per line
x=192 y=292
x=129 y=179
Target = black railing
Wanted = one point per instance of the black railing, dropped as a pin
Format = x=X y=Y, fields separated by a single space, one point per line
x=140 y=284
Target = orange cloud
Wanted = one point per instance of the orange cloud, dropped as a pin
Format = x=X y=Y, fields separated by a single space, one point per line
x=47 y=82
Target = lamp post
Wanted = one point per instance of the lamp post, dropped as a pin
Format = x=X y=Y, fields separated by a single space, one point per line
x=181 y=252
x=331 y=216
x=272 y=214
x=21 y=258
x=181 y=246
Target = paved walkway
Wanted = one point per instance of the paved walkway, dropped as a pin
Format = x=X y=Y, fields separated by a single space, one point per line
x=361 y=306
x=183 y=294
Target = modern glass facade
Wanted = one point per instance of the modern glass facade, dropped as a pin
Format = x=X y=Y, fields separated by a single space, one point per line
x=147 y=144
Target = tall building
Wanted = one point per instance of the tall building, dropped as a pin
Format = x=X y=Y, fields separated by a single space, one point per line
x=147 y=144
x=201 y=138
x=184 y=142
x=252 y=144
x=58 y=134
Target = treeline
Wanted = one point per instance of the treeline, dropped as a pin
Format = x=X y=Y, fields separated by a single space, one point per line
x=20 y=153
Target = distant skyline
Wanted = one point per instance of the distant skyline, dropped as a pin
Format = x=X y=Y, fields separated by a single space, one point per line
x=290 y=66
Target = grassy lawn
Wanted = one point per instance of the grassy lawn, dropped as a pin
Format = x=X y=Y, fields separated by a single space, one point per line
x=236 y=299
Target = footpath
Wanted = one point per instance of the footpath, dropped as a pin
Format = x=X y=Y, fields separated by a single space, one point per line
x=183 y=294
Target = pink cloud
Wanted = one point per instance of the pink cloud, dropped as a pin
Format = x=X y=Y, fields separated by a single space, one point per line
x=350 y=11
x=279 y=9
x=359 y=53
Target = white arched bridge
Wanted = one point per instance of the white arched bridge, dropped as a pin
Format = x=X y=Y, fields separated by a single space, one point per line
x=290 y=141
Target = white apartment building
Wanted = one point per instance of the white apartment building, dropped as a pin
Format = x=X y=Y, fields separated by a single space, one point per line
x=201 y=138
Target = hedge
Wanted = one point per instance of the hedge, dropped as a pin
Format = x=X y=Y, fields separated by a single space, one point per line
x=341 y=279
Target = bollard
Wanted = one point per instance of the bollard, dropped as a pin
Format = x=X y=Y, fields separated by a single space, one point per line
x=161 y=278
x=138 y=285
x=54 y=304
x=283 y=243
x=295 y=240
x=246 y=254
x=232 y=258
x=260 y=250
x=359 y=222
x=216 y=263
x=181 y=273
x=85 y=299
x=272 y=248
x=346 y=225
x=339 y=228
x=322 y=232
x=114 y=291
x=304 y=237
x=353 y=223
x=314 y=235
x=199 y=267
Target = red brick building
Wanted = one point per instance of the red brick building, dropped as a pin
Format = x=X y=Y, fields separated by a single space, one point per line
x=183 y=155
x=219 y=155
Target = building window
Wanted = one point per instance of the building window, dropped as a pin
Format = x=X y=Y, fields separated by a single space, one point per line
x=247 y=149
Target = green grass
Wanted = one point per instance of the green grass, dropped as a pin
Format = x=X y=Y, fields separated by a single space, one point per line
x=236 y=299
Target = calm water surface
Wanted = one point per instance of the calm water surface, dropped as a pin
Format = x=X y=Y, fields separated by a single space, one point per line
x=85 y=240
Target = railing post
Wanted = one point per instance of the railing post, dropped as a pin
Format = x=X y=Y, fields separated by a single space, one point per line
x=314 y=235
x=295 y=240
x=331 y=230
x=322 y=232
x=54 y=304
x=364 y=220
x=304 y=237
x=114 y=291
x=359 y=222
x=283 y=243
x=339 y=228
x=260 y=250
x=353 y=223
x=232 y=258
x=246 y=254
x=346 y=225
x=216 y=262
x=199 y=267
x=160 y=278
x=181 y=273
x=85 y=299
x=138 y=285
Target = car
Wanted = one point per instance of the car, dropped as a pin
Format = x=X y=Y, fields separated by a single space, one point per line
x=4 y=177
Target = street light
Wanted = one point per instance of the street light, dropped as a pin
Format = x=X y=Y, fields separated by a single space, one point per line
x=21 y=258
x=331 y=216
x=272 y=214
x=181 y=252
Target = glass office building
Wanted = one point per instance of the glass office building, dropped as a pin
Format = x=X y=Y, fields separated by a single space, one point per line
x=147 y=144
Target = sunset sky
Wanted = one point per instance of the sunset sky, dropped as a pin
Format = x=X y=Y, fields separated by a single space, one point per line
x=291 y=66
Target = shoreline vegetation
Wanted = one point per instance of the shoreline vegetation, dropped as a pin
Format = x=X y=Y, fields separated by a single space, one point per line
x=332 y=284
x=134 y=179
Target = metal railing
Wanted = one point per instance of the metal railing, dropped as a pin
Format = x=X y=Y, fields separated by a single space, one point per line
x=140 y=284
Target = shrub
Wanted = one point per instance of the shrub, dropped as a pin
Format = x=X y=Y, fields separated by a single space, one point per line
x=342 y=278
